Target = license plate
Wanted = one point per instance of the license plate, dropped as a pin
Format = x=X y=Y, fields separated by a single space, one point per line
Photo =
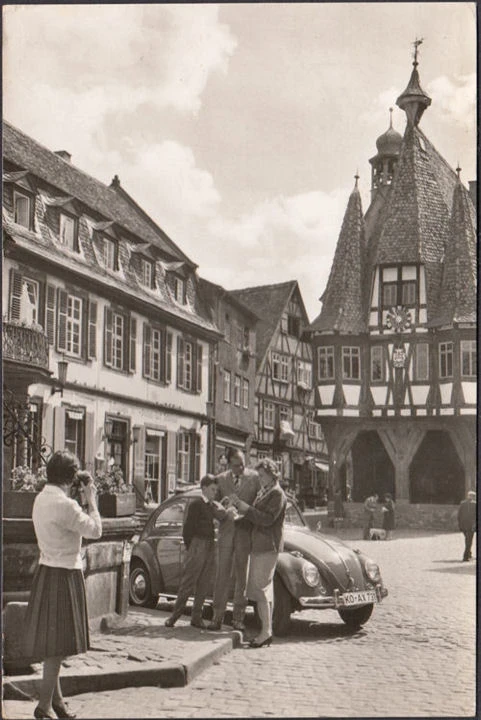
x=363 y=597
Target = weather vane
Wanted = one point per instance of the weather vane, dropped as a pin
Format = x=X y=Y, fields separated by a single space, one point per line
x=416 y=44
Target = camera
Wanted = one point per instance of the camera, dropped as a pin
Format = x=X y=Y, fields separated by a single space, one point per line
x=83 y=477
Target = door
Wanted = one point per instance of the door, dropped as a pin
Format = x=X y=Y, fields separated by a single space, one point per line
x=166 y=538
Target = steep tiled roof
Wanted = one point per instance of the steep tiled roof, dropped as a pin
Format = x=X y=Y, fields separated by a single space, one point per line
x=113 y=203
x=457 y=297
x=416 y=220
x=269 y=302
x=343 y=302
x=210 y=290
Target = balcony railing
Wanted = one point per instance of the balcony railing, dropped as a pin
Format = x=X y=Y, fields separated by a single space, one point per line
x=25 y=345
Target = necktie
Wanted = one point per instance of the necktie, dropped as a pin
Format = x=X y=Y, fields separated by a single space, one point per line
x=236 y=482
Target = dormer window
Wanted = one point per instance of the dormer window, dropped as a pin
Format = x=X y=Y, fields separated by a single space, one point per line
x=146 y=272
x=69 y=232
x=179 y=289
x=23 y=209
x=110 y=253
x=399 y=286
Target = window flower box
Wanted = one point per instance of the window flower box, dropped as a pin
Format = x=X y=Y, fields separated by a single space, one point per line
x=25 y=484
x=115 y=497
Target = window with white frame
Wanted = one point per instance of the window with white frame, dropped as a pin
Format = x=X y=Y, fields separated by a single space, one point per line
x=68 y=232
x=280 y=367
x=120 y=340
x=153 y=462
x=421 y=361
x=351 y=363
x=377 y=363
x=269 y=415
x=314 y=428
x=179 y=289
x=189 y=364
x=284 y=414
x=446 y=360
x=23 y=209
x=188 y=457
x=75 y=432
x=110 y=253
x=227 y=384
x=147 y=272
x=245 y=393
x=399 y=286
x=70 y=324
x=325 y=357
x=304 y=373
x=30 y=300
x=237 y=390
x=154 y=353
x=468 y=358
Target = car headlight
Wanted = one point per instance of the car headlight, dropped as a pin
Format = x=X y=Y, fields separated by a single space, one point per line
x=310 y=574
x=372 y=571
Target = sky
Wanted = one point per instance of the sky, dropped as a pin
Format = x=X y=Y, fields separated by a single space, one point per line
x=239 y=127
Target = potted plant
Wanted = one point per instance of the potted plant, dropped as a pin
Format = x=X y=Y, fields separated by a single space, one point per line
x=115 y=497
x=25 y=486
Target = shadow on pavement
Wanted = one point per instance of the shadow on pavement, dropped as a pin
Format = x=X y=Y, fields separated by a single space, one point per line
x=461 y=568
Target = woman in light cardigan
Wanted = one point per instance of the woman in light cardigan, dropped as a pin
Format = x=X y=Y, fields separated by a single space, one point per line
x=57 y=621
x=267 y=517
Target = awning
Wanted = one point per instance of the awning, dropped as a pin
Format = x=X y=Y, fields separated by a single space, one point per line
x=322 y=466
x=150 y=432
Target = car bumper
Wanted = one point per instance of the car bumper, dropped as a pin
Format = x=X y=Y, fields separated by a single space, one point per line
x=335 y=601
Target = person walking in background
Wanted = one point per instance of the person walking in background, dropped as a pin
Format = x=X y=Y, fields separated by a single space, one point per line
x=56 y=620
x=198 y=569
x=467 y=522
x=338 y=508
x=388 y=520
x=370 y=506
x=233 y=542
x=267 y=517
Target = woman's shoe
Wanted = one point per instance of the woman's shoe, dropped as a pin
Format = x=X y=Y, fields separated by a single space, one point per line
x=265 y=643
x=42 y=714
x=62 y=710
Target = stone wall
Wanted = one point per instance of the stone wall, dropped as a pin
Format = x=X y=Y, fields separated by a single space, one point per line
x=419 y=517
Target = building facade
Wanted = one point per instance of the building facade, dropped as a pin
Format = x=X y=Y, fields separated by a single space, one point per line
x=395 y=341
x=234 y=374
x=285 y=425
x=110 y=298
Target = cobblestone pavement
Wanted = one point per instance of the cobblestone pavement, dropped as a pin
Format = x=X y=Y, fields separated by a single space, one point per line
x=415 y=657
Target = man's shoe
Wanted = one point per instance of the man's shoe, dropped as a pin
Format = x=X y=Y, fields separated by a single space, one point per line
x=198 y=623
x=170 y=622
x=238 y=625
x=214 y=625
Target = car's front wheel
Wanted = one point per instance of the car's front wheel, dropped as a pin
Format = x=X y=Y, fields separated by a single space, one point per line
x=355 y=617
x=140 y=586
x=281 y=618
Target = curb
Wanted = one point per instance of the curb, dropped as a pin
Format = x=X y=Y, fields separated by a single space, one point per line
x=164 y=674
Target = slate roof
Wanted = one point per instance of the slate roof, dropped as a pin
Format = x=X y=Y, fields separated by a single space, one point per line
x=344 y=300
x=268 y=302
x=113 y=203
x=457 y=297
x=209 y=290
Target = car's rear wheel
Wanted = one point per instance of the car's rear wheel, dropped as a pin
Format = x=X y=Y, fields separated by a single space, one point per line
x=140 y=586
x=281 y=619
x=356 y=617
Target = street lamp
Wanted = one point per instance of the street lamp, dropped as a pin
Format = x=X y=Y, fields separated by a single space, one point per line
x=62 y=367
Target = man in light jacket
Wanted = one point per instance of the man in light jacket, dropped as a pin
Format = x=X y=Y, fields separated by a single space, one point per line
x=233 y=542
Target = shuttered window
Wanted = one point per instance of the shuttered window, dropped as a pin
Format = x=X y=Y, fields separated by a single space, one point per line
x=120 y=340
x=24 y=298
x=23 y=209
x=92 y=331
x=69 y=323
x=154 y=353
x=168 y=358
x=189 y=365
x=50 y=310
x=188 y=457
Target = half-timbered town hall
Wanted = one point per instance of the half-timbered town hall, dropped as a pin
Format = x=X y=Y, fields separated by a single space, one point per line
x=395 y=341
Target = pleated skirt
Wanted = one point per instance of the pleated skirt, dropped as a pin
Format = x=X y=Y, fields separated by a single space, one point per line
x=56 y=620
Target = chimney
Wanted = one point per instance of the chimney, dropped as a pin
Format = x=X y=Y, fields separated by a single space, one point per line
x=473 y=191
x=115 y=182
x=64 y=155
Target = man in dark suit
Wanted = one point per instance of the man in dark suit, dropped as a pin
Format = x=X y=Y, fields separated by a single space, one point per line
x=233 y=542
x=467 y=522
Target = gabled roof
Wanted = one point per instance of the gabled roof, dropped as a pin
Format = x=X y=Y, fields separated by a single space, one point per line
x=269 y=301
x=210 y=290
x=112 y=203
x=457 y=296
x=343 y=302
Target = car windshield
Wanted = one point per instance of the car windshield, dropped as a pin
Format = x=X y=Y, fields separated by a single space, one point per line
x=293 y=516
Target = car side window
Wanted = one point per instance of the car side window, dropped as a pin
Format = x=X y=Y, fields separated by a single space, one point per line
x=172 y=517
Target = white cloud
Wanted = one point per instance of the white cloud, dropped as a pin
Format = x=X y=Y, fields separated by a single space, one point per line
x=456 y=99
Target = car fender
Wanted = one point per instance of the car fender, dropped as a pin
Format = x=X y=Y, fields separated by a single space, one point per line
x=289 y=569
x=143 y=551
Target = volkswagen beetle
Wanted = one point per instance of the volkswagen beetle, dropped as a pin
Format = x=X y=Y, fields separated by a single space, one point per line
x=314 y=570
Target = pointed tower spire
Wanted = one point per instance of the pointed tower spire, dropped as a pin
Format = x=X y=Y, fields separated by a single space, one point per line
x=414 y=100
x=343 y=300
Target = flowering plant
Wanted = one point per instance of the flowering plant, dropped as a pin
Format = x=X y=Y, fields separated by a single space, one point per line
x=111 y=481
x=24 y=479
